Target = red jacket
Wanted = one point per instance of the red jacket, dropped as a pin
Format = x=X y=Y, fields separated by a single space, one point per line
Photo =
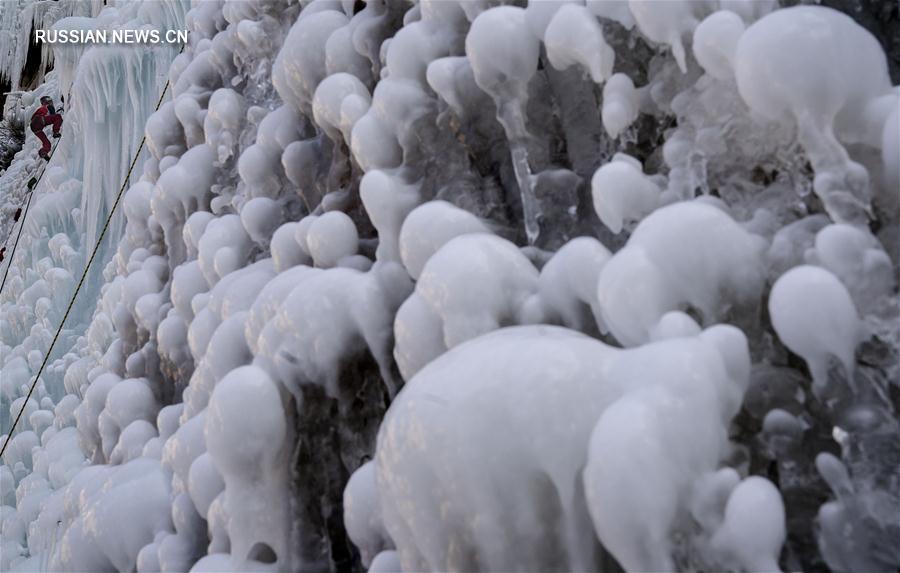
x=37 y=119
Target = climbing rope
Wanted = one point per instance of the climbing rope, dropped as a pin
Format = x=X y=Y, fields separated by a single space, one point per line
x=22 y=224
x=87 y=267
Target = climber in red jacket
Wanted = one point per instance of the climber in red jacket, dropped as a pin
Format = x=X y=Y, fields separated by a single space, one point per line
x=44 y=116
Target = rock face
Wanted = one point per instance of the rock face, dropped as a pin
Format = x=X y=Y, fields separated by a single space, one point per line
x=879 y=18
x=391 y=293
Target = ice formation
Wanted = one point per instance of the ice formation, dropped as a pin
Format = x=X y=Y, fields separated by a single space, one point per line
x=548 y=368
x=623 y=195
x=454 y=285
x=826 y=324
x=620 y=104
x=19 y=19
x=713 y=267
x=574 y=37
x=827 y=100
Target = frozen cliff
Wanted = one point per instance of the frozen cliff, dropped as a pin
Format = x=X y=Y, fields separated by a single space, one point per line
x=457 y=286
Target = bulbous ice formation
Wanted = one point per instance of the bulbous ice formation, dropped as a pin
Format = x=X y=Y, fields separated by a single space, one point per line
x=772 y=50
x=428 y=228
x=814 y=316
x=826 y=98
x=223 y=122
x=300 y=64
x=615 y=10
x=715 y=43
x=254 y=473
x=329 y=98
x=666 y=23
x=753 y=529
x=568 y=283
x=622 y=193
x=362 y=514
x=575 y=37
x=440 y=445
x=301 y=344
x=713 y=266
x=620 y=104
x=388 y=200
x=474 y=284
x=539 y=13
x=858 y=260
x=503 y=53
x=651 y=445
x=330 y=238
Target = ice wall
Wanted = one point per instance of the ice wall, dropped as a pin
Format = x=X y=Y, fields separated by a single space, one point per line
x=387 y=295
x=109 y=94
x=18 y=20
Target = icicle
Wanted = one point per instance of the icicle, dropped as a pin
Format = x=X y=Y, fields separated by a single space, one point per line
x=504 y=74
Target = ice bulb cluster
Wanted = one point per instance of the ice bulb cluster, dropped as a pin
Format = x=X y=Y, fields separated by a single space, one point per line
x=456 y=285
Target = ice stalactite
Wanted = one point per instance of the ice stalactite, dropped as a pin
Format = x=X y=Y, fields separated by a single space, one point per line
x=505 y=75
x=112 y=100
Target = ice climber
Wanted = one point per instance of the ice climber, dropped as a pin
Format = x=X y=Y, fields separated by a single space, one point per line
x=44 y=116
